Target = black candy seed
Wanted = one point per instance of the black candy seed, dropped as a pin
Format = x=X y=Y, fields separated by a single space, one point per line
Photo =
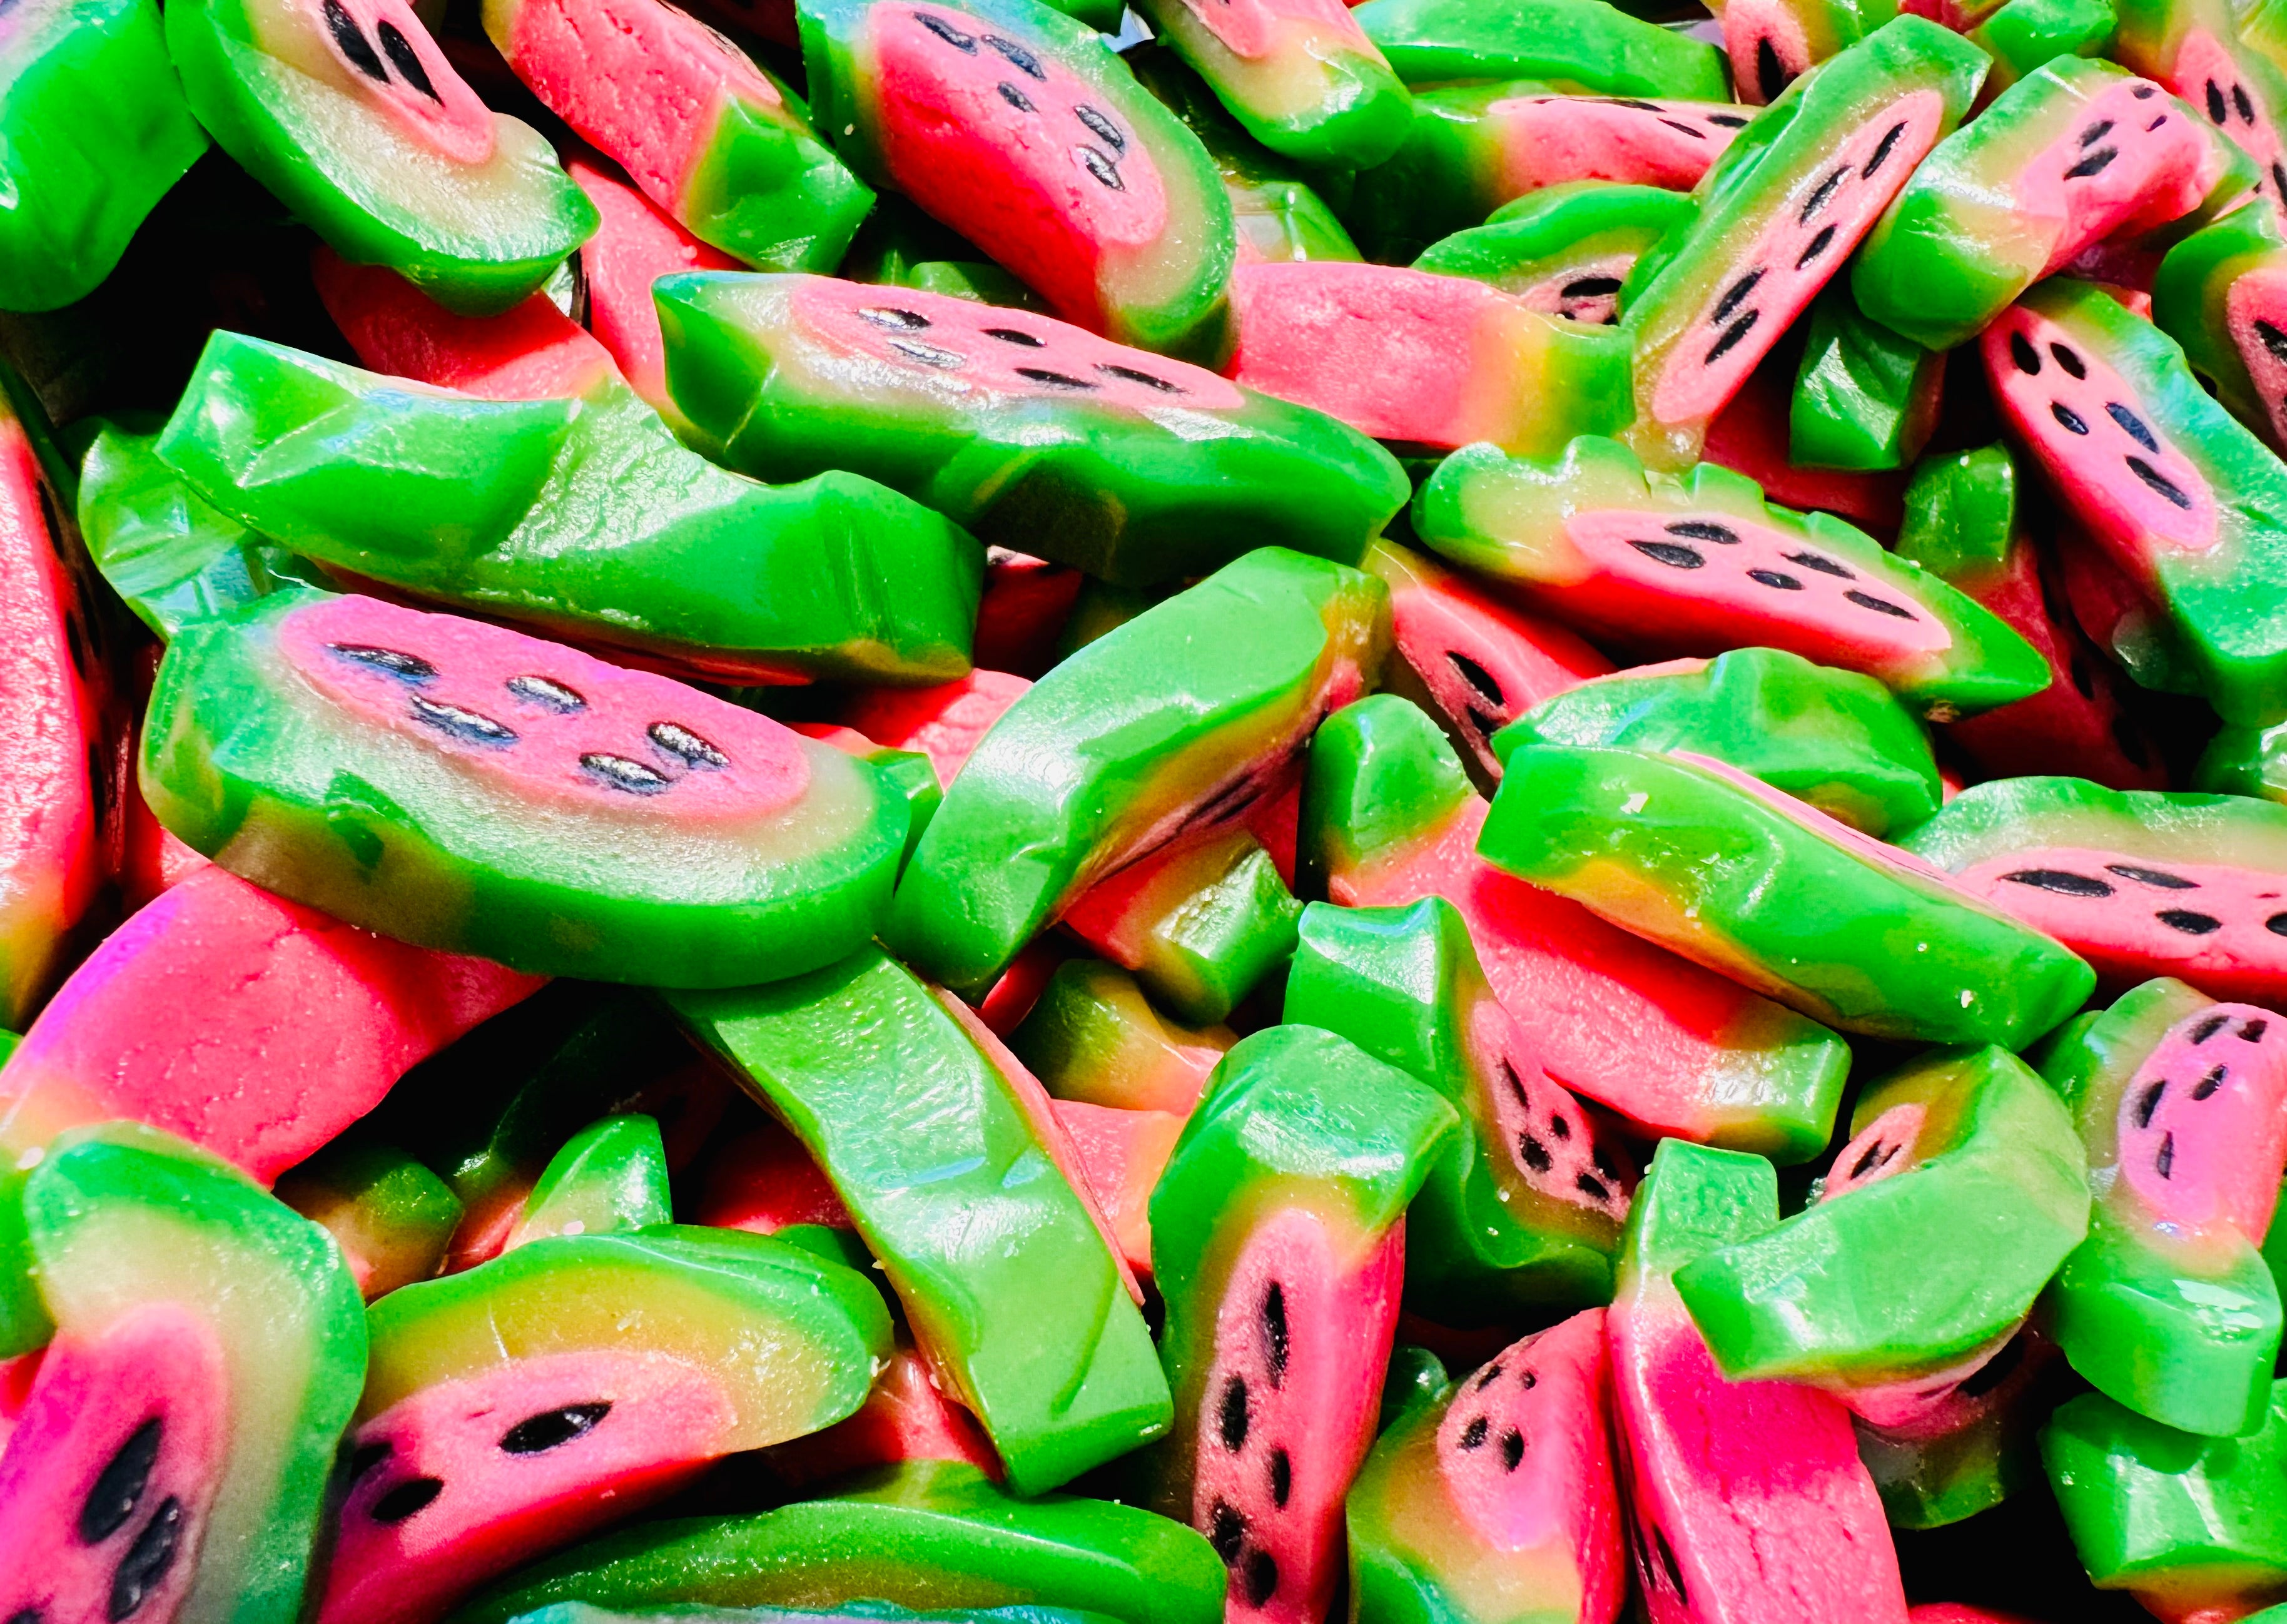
x=2190 y=923
x=2095 y=133
x=2063 y=882
x=1023 y=60
x=1274 y=1331
x=1016 y=98
x=1477 y=677
x=367 y=1456
x=618 y=772
x=460 y=722
x=891 y=316
x=1101 y=167
x=1010 y=335
x=2274 y=340
x=1770 y=78
x=1820 y=195
x=1731 y=337
x=145 y=1566
x=26 y=1615
x=550 y=1429
x=1697 y=135
x=1559 y=1128
x=2216 y=112
x=2239 y=100
x=1705 y=530
x=2209 y=1027
x=2093 y=164
x=1515 y=1082
x=2207 y=1085
x=1054 y=380
x=1819 y=244
x=2130 y=425
x=1233 y=1421
x=2159 y=482
x=353 y=43
x=1282 y=1478
x=1820 y=562
x=964 y=44
x=2163 y=1161
x=927 y=354
x=1490 y=1374
x=680 y=741
x=2073 y=422
x=2253 y=1031
x=1669 y=1566
x=1137 y=375
x=120 y=1484
x=1884 y=148
x=1102 y=128
x=1589 y=286
x=2150 y=1102
x=1872 y=1157
x=1473 y=1436
x=1262 y=1578
x=2160 y=877
x=2279 y=178
x=1512 y=1448
x=411 y=1496
x=558 y=697
x=1670 y=553
x=1775 y=578
x=1880 y=605
x=1591 y=1186
x=402 y=57
x=404 y=666
x=2028 y=358
x=1226 y=1531
x=1733 y=298
x=1727 y=121
x=1534 y=1152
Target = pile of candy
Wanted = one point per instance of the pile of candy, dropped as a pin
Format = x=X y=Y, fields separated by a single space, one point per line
x=1472 y=812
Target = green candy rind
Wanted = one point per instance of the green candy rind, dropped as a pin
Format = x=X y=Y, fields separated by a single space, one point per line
x=929 y=1144
x=2018 y=814
x=1504 y=516
x=2223 y=608
x=926 y=1534
x=171 y=555
x=1190 y=319
x=1694 y=1199
x=582 y=1612
x=94 y=132
x=1865 y=398
x=1404 y=986
x=1961 y=516
x=583 y=518
x=1212 y=927
x=2024 y=33
x=1099 y=486
x=1679 y=854
x=1583 y=43
x=284 y=1286
x=610 y=1176
x=1957 y=247
x=2185 y=1521
x=366 y=825
x=1835 y=738
x=1094 y=1037
x=1211 y=689
x=1530 y=240
x=2190 y=295
x=2185 y=1330
x=508 y=239
x=1912 y=1274
x=380 y=1204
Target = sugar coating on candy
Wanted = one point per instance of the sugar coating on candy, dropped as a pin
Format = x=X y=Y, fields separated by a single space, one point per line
x=566 y=726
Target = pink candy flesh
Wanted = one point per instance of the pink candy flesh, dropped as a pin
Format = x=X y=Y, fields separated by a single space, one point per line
x=415 y=85
x=1547 y=140
x=2204 y=75
x=2255 y=312
x=1549 y=1145
x=2202 y=1126
x=634 y=246
x=533 y=352
x=1258 y=28
x=2132 y=162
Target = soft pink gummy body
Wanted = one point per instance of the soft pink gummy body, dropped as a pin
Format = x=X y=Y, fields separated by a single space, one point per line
x=1321 y=1412
x=532 y=353
x=1627 y=1023
x=2202 y=60
x=2259 y=294
x=962 y=348
x=634 y=246
x=1547 y=140
x=2217 y=1123
x=1535 y=1119
x=2091 y=471
x=647 y=83
x=1561 y=1493
x=1258 y=28
x=943 y=721
x=1721 y=606
x=453 y=122
x=252 y=1025
x=158 y=1360
x=667 y=1418
x=1018 y=185
x=1746 y=24
x=1395 y=353
x=764 y=772
x=1794 y=265
x=1550 y=299
x=2165 y=168
x=1528 y=658
x=1756 y=1486
x=2123 y=935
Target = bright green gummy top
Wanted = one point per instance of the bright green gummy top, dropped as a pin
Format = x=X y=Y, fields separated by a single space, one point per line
x=1961 y=515
x=1404 y=984
x=1865 y=399
x=171 y=555
x=584 y=517
x=477 y=237
x=1959 y=243
x=927 y=1535
x=1531 y=238
x=2189 y=301
x=1093 y=1036
x=2184 y=1328
x=1381 y=776
x=882 y=1613
x=1834 y=739
x=1207 y=929
x=930 y=1144
x=1910 y=1274
x=93 y=131
x=1583 y=43
x=1212 y=689
x=1119 y=492
x=383 y=1207
x=610 y=1176
x=1821 y=920
x=2186 y=1521
x=1694 y=1199
x=120 y=1217
x=2024 y=33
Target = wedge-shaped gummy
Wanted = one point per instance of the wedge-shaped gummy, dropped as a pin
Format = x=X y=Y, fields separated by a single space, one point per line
x=360 y=125
x=610 y=1176
x=1185 y=715
x=1036 y=434
x=1716 y=866
x=2218 y=294
x=1586 y=43
x=1962 y=1187
x=1093 y=1037
x=932 y=1137
x=1865 y=399
x=1702 y=563
x=1565 y=249
x=1834 y=739
x=388 y=766
x=1525 y=1205
x=2169 y=1307
x=582 y=517
x=926 y=1534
